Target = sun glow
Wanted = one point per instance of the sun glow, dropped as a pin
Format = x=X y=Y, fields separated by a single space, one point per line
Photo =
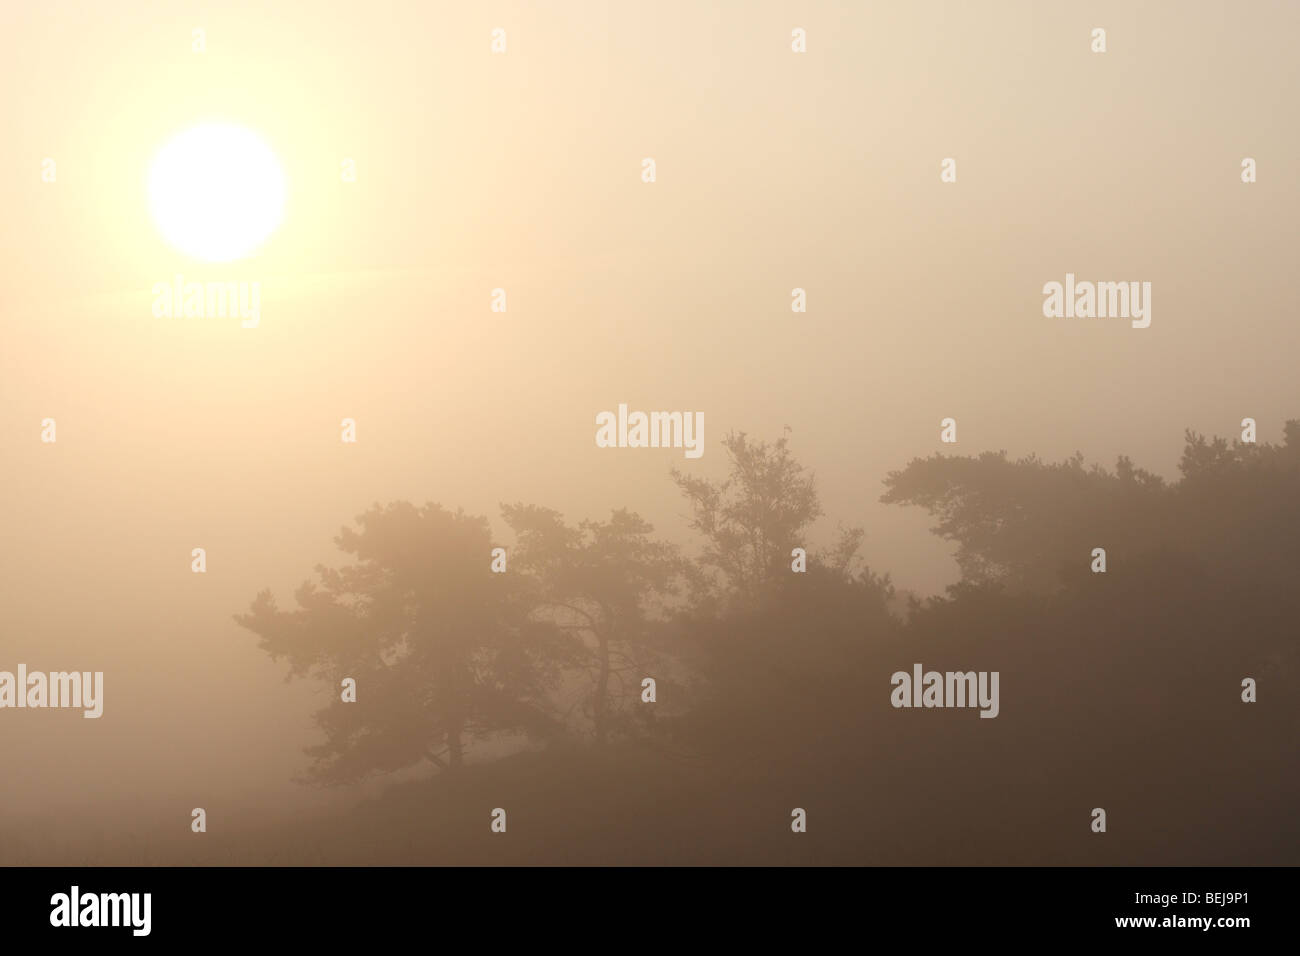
x=216 y=192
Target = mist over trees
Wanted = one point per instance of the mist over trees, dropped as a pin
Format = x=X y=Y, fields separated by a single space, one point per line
x=772 y=686
x=601 y=583
x=442 y=654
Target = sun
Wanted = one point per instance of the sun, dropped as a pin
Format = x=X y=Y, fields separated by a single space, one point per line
x=216 y=192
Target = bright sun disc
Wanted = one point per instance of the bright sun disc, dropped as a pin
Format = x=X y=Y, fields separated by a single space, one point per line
x=216 y=192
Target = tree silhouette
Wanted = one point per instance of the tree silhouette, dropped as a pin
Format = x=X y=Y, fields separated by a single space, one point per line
x=1030 y=526
x=1024 y=523
x=779 y=658
x=442 y=650
x=780 y=694
x=599 y=580
x=754 y=517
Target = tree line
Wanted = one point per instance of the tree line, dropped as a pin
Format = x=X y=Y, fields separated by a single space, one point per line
x=757 y=666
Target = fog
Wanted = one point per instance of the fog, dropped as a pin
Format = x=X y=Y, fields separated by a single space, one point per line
x=523 y=171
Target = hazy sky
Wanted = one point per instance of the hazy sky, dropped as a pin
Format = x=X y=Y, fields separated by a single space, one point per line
x=523 y=171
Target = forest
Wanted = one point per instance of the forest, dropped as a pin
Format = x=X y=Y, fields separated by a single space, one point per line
x=595 y=694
